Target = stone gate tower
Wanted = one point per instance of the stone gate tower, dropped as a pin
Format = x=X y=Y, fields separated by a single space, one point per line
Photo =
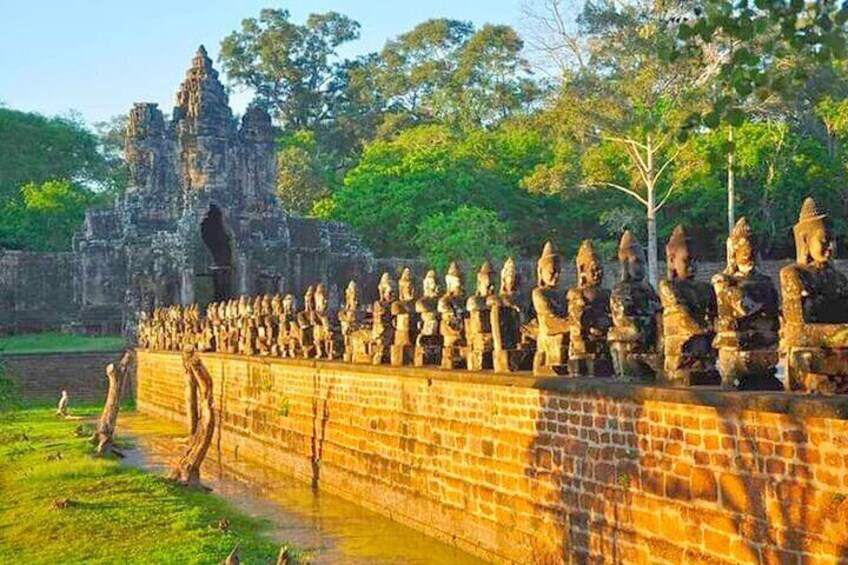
x=200 y=220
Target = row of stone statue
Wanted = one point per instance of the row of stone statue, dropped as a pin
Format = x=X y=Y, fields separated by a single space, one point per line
x=732 y=332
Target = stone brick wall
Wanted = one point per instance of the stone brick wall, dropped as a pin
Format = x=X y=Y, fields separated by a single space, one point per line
x=526 y=470
x=43 y=377
x=36 y=290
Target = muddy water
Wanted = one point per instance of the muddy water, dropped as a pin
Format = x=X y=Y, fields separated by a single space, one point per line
x=329 y=528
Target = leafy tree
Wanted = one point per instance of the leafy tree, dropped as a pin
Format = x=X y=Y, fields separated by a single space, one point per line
x=112 y=135
x=433 y=169
x=468 y=233
x=35 y=148
x=46 y=216
x=622 y=112
x=302 y=178
x=293 y=68
x=445 y=70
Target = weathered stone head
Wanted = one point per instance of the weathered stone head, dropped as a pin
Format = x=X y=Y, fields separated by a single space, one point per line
x=352 y=296
x=321 y=302
x=813 y=240
x=289 y=304
x=485 y=286
x=309 y=299
x=406 y=285
x=741 y=250
x=548 y=267
x=590 y=272
x=509 y=277
x=679 y=257
x=454 y=280
x=430 y=285
x=631 y=258
x=386 y=288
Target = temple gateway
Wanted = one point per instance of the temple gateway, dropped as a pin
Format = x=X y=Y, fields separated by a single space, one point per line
x=200 y=219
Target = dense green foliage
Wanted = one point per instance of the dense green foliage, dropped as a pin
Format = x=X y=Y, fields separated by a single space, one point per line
x=648 y=104
x=116 y=514
x=424 y=174
x=633 y=132
x=51 y=170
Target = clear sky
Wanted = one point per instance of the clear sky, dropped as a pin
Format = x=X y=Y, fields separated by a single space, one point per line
x=97 y=57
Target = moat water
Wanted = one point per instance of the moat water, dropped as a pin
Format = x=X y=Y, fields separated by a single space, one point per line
x=328 y=528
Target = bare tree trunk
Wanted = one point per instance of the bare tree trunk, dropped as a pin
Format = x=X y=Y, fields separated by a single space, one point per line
x=104 y=436
x=731 y=189
x=190 y=398
x=652 y=217
x=187 y=469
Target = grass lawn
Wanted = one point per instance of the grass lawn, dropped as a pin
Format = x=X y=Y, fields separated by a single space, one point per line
x=116 y=514
x=54 y=342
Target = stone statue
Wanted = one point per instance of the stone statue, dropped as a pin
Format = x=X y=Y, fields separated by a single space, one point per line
x=814 y=334
x=635 y=336
x=451 y=306
x=287 y=327
x=478 y=326
x=512 y=350
x=382 y=330
x=304 y=342
x=689 y=314
x=350 y=319
x=265 y=325
x=326 y=333
x=589 y=318
x=748 y=317
x=551 y=357
x=405 y=320
x=428 y=343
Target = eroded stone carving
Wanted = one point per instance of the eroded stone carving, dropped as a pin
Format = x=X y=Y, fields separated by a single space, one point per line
x=551 y=357
x=748 y=317
x=428 y=344
x=512 y=345
x=452 y=325
x=814 y=334
x=405 y=321
x=589 y=318
x=689 y=313
x=478 y=326
x=636 y=313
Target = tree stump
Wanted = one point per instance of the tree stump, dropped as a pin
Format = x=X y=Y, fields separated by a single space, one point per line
x=104 y=436
x=187 y=469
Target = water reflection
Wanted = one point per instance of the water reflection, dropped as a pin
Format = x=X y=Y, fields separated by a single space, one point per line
x=331 y=529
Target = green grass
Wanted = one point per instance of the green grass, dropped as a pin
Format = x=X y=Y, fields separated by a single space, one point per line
x=117 y=514
x=54 y=342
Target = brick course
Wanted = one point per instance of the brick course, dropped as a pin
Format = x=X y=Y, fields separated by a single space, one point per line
x=519 y=469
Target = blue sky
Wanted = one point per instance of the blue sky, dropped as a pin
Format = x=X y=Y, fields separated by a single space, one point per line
x=99 y=56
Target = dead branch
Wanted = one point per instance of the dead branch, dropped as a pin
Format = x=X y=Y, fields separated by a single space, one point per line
x=187 y=469
x=104 y=436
